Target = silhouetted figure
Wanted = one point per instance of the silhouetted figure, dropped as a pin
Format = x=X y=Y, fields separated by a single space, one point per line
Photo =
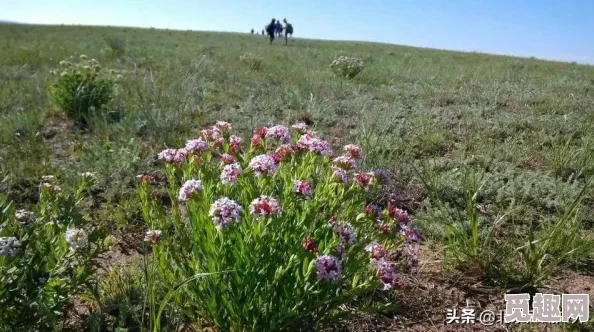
x=252 y=31
x=279 y=29
x=271 y=29
x=288 y=29
x=262 y=32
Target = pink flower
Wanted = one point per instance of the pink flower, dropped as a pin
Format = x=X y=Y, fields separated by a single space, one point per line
x=376 y=251
x=235 y=144
x=387 y=275
x=284 y=151
x=280 y=133
x=230 y=174
x=339 y=175
x=263 y=165
x=399 y=215
x=227 y=159
x=346 y=233
x=173 y=156
x=260 y=132
x=410 y=234
x=222 y=127
x=302 y=189
x=353 y=151
x=309 y=245
x=224 y=211
x=189 y=189
x=310 y=143
x=196 y=145
x=152 y=236
x=208 y=134
x=146 y=178
x=344 y=162
x=373 y=210
x=328 y=267
x=363 y=180
x=264 y=206
x=256 y=141
x=300 y=128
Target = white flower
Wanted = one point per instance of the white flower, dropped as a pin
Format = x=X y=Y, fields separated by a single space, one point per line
x=328 y=267
x=9 y=246
x=263 y=165
x=224 y=211
x=189 y=189
x=152 y=236
x=76 y=238
x=230 y=173
x=300 y=127
x=25 y=217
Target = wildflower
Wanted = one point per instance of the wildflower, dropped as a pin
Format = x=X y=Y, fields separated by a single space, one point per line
x=224 y=211
x=76 y=238
x=263 y=165
x=346 y=233
x=25 y=218
x=333 y=224
x=376 y=251
x=227 y=159
x=410 y=234
x=222 y=127
x=399 y=215
x=264 y=206
x=230 y=174
x=344 y=162
x=309 y=245
x=52 y=187
x=387 y=275
x=9 y=246
x=372 y=210
x=235 y=144
x=385 y=229
x=189 y=189
x=207 y=134
x=94 y=61
x=283 y=151
x=260 y=132
x=302 y=189
x=280 y=133
x=300 y=128
x=256 y=141
x=308 y=142
x=173 y=156
x=218 y=142
x=196 y=145
x=353 y=151
x=48 y=178
x=363 y=180
x=328 y=267
x=152 y=236
x=119 y=77
x=146 y=178
x=65 y=63
x=339 y=175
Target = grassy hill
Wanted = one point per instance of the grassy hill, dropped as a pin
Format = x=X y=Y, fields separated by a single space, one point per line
x=517 y=132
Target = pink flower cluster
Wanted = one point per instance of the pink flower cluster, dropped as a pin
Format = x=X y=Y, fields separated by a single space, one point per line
x=264 y=206
x=339 y=175
x=301 y=128
x=173 y=156
x=363 y=180
x=235 y=144
x=279 y=133
x=308 y=142
x=227 y=159
x=224 y=211
x=302 y=189
x=263 y=165
x=189 y=189
x=196 y=146
x=345 y=232
x=230 y=174
x=328 y=267
x=152 y=236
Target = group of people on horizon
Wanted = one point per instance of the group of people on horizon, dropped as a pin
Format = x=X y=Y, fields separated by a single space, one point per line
x=276 y=29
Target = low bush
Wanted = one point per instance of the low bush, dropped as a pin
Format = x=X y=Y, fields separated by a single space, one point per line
x=347 y=67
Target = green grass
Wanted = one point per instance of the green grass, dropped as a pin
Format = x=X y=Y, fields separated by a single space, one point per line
x=430 y=116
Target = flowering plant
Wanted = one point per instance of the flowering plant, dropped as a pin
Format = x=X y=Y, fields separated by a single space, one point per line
x=79 y=89
x=283 y=231
x=46 y=256
x=347 y=67
x=251 y=60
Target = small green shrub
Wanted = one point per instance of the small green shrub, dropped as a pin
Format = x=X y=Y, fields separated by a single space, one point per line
x=80 y=90
x=46 y=257
x=116 y=47
x=347 y=67
x=252 y=61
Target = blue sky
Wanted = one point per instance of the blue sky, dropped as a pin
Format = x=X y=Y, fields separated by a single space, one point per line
x=549 y=29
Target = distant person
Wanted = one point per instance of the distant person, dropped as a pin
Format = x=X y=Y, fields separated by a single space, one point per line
x=288 y=30
x=252 y=31
x=279 y=29
x=271 y=29
x=262 y=32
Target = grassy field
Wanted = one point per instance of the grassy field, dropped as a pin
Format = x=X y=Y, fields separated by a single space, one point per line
x=492 y=155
